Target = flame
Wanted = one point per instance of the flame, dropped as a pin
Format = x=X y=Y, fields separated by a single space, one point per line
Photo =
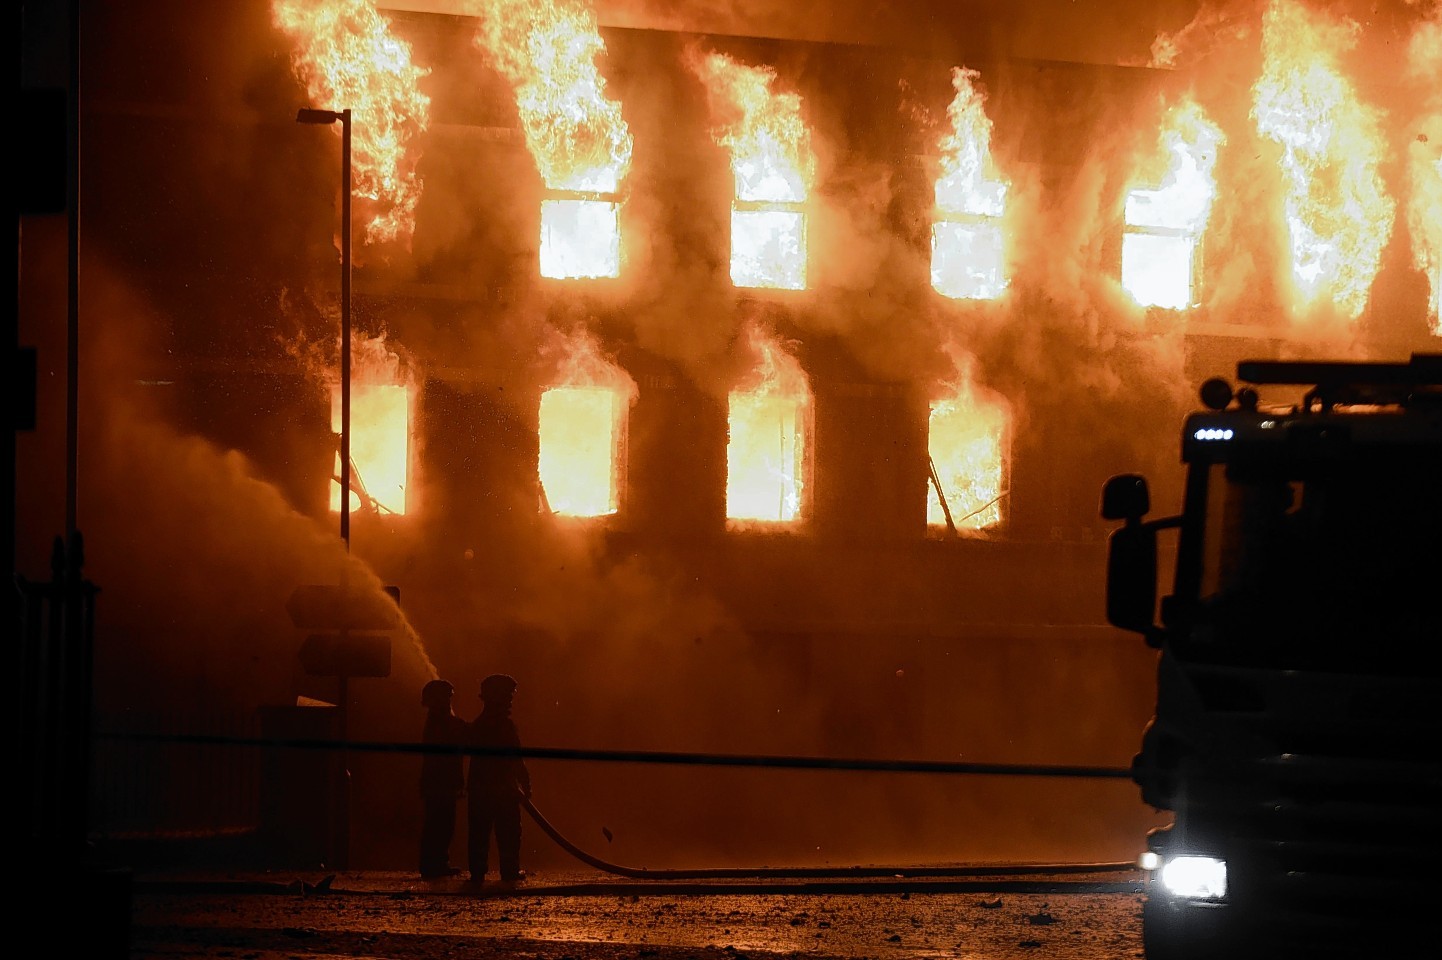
x=1424 y=210
x=380 y=416
x=967 y=442
x=1157 y=259
x=1338 y=216
x=580 y=436
x=582 y=431
x=381 y=400
x=769 y=422
x=773 y=165
x=966 y=237
x=547 y=50
x=348 y=59
x=580 y=238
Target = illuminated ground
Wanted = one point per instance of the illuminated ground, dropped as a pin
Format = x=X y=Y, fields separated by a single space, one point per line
x=593 y=917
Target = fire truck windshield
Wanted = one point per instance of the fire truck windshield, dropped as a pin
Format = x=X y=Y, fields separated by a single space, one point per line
x=1301 y=560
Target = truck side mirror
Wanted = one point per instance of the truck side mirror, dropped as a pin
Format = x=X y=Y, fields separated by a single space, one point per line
x=1131 y=554
x=1125 y=497
x=1132 y=578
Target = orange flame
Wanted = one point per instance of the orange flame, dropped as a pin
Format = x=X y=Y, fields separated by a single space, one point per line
x=382 y=396
x=966 y=238
x=967 y=442
x=1338 y=216
x=582 y=431
x=773 y=165
x=547 y=50
x=348 y=59
x=1158 y=256
x=769 y=424
x=1424 y=210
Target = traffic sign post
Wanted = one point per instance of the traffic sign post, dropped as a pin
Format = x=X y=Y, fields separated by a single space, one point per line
x=347 y=611
x=346 y=654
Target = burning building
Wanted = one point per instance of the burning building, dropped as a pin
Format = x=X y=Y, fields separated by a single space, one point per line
x=758 y=383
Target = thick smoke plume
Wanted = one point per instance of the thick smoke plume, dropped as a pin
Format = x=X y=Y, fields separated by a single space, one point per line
x=203 y=510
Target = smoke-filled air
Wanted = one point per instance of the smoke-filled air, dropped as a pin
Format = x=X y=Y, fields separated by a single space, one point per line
x=736 y=381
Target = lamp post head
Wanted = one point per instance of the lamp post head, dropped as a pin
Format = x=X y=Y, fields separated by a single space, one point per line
x=311 y=115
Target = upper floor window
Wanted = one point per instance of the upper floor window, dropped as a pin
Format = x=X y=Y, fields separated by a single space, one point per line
x=580 y=235
x=1162 y=240
x=967 y=242
x=772 y=165
x=577 y=136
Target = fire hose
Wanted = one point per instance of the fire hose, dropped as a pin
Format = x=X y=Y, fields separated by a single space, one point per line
x=714 y=873
x=859 y=872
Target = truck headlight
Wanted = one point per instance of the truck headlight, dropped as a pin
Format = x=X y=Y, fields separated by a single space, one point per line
x=1194 y=878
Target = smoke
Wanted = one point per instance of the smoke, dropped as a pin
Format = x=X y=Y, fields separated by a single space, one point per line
x=205 y=498
x=816 y=20
x=197 y=549
x=615 y=640
x=642 y=648
x=1216 y=27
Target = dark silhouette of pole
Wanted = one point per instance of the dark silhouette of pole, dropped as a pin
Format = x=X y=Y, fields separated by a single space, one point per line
x=72 y=288
x=309 y=115
x=341 y=826
x=345 y=260
x=343 y=694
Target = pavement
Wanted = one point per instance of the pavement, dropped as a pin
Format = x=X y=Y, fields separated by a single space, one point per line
x=584 y=914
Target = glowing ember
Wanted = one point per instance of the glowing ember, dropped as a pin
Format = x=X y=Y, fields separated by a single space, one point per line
x=1338 y=216
x=966 y=238
x=1424 y=209
x=967 y=442
x=380 y=415
x=773 y=165
x=1165 y=224
x=547 y=50
x=583 y=430
x=348 y=59
x=769 y=422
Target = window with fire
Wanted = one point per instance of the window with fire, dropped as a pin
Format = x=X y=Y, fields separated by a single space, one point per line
x=1165 y=219
x=582 y=432
x=380 y=448
x=581 y=234
x=968 y=437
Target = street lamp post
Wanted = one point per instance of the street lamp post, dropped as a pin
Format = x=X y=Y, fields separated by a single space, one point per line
x=307 y=115
x=341 y=824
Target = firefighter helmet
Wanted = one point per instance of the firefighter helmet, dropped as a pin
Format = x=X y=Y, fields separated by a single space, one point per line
x=437 y=693
x=498 y=687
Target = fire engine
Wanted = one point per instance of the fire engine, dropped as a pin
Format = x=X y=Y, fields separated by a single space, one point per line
x=1297 y=736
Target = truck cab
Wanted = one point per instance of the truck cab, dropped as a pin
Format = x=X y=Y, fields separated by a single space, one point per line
x=1297 y=736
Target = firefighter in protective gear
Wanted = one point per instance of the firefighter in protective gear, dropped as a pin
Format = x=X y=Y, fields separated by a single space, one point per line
x=496 y=785
x=442 y=779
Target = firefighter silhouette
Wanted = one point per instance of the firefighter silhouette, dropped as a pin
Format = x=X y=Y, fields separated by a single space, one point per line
x=496 y=785
x=442 y=779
